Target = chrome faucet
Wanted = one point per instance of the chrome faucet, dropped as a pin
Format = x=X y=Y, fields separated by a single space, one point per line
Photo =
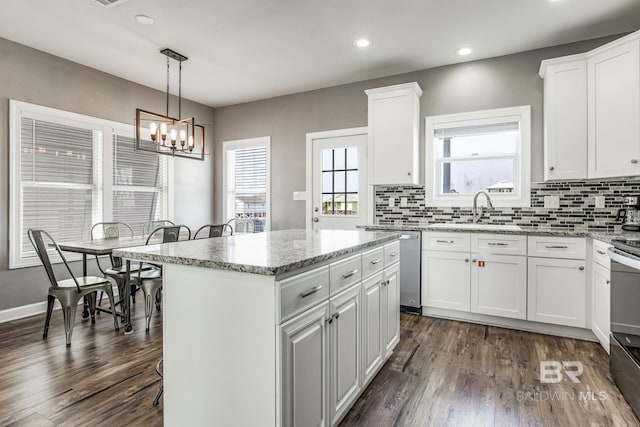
x=478 y=214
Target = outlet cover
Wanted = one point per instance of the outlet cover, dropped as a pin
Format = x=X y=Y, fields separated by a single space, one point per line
x=403 y=202
x=551 y=202
x=299 y=195
x=599 y=202
x=392 y=202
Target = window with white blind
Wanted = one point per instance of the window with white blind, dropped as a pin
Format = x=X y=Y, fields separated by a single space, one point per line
x=246 y=171
x=480 y=151
x=64 y=167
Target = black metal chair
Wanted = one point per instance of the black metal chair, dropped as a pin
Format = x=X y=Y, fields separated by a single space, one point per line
x=242 y=225
x=68 y=291
x=150 y=226
x=215 y=230
x=150 y=280
x=159 y=372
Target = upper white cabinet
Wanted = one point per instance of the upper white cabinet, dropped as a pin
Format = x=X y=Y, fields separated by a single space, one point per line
x=591 y=112
x=565 y=117
x=614 y=109
x=394 y=134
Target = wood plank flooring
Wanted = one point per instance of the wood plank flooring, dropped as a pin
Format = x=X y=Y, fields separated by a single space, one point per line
x=442 y=373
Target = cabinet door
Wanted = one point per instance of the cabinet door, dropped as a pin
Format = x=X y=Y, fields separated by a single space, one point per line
x=445 y=280
x=391 y=303
x=557 y=291
x=345 y=381
x=614 y=108
x=499 y=285
x=304 y=368
x=394 y=129
x=601 y=309
x=565 y=121
x=372 y=326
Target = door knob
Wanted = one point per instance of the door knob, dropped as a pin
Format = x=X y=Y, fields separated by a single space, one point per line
x=315 y=219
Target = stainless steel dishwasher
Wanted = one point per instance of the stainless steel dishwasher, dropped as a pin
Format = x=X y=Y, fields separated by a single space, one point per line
x=410 y=271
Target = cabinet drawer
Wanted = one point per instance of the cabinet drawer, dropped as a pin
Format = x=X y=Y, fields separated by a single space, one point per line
x=303 y=291
x=451 y=242
x=499 y=244
x=391 y=253
x=345 y=273
x=557 y=247
x=600 y=254
x=372 y=262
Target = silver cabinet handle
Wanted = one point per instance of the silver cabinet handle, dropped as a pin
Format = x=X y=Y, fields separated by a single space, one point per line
x=601 y=252
x=350 y=273
x=497 y=244
x=556 y=247
x=310 y=291
x=394 y=253
x=375 y=261
x=581 y=268
x=444 y=241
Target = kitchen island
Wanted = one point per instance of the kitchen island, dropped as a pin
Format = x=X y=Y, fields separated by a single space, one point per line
x=278 y=328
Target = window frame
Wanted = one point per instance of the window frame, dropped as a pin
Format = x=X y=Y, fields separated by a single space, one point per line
x=522 y=167
x=263 y=141
x=102 y=205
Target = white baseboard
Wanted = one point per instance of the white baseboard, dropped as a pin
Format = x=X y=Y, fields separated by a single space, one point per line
x=23 y=311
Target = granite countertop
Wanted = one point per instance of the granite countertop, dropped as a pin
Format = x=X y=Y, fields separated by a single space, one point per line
x=526 y=230
x=269 y=253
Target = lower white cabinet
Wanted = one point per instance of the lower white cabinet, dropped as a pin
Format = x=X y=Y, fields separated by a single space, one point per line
x=445 y=280
x=391 y=308
x=499 y=285
x=372 y=326
x=305 y=366
x=557 y=291
x=601 y=321
x=345 y=358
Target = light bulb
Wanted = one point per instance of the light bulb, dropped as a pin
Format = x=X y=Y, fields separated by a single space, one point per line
x=183 y=137
x=190 y=142
x=153 y=128
x=174 y=135
x=163 y=131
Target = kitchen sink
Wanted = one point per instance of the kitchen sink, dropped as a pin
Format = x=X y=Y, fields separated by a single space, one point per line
x=475 y=226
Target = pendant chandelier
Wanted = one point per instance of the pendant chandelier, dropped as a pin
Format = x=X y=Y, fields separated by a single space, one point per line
x=168 y=135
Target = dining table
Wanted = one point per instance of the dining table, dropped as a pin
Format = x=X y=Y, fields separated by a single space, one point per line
x=102 y=247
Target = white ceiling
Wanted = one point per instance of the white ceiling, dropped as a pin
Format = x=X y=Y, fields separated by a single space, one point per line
x=243 y=50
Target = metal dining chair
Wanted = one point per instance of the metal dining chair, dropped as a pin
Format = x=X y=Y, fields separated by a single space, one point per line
x=150 y=280
x=242 y=225
x=68 y=291
x=153 y=225
x=215 y=230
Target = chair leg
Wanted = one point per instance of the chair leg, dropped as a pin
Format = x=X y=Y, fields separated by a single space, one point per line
x=50 y=300
x=159 y=372
x=69 y=306
x=148 y=307
x=112 y=301
x=91 y=301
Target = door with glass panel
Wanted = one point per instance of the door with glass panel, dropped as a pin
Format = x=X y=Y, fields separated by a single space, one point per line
x=339 y=195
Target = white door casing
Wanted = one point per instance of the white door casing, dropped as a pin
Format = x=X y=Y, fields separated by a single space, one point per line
x=336 y=140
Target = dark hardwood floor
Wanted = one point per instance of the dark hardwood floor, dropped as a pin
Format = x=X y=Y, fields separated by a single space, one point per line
x=442 y=373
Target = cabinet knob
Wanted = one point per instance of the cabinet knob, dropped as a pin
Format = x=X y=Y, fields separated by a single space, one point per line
x=634 y=161
x=551 y=168
x=608 y=282
x=408 y=173
x=581 y=268
x=466 y=260
x=473 y=260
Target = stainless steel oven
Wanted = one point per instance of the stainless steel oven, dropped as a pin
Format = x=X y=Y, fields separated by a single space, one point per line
x=625 y=319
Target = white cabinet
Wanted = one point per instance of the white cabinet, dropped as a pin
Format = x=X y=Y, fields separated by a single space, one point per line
x=372 y=326
x=445 y=280
x=391 y=308
x=614 y=107
x=565 y=117
x=557 y=291
x=601 y=293
x=394 y=134
x=304 y=374
x=499 y=285
x=345 y=359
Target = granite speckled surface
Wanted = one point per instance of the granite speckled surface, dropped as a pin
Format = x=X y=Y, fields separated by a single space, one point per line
x=269 y=253
x=529 y=231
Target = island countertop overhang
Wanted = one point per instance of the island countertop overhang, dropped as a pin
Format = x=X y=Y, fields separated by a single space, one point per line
x=270 y=253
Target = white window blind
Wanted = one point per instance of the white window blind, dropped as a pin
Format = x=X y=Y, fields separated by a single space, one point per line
x=60 y=180
x=247 y=181
x=139 y=184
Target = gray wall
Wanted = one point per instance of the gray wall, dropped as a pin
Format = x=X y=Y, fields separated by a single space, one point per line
x=493 y=83
x=32 y=76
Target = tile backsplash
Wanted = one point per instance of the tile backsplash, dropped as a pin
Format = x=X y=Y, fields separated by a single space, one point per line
x=577 y=209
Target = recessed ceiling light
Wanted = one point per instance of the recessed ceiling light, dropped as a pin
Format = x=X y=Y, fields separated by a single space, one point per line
x=362 y=42
x=464 y=51
x=144 y=19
